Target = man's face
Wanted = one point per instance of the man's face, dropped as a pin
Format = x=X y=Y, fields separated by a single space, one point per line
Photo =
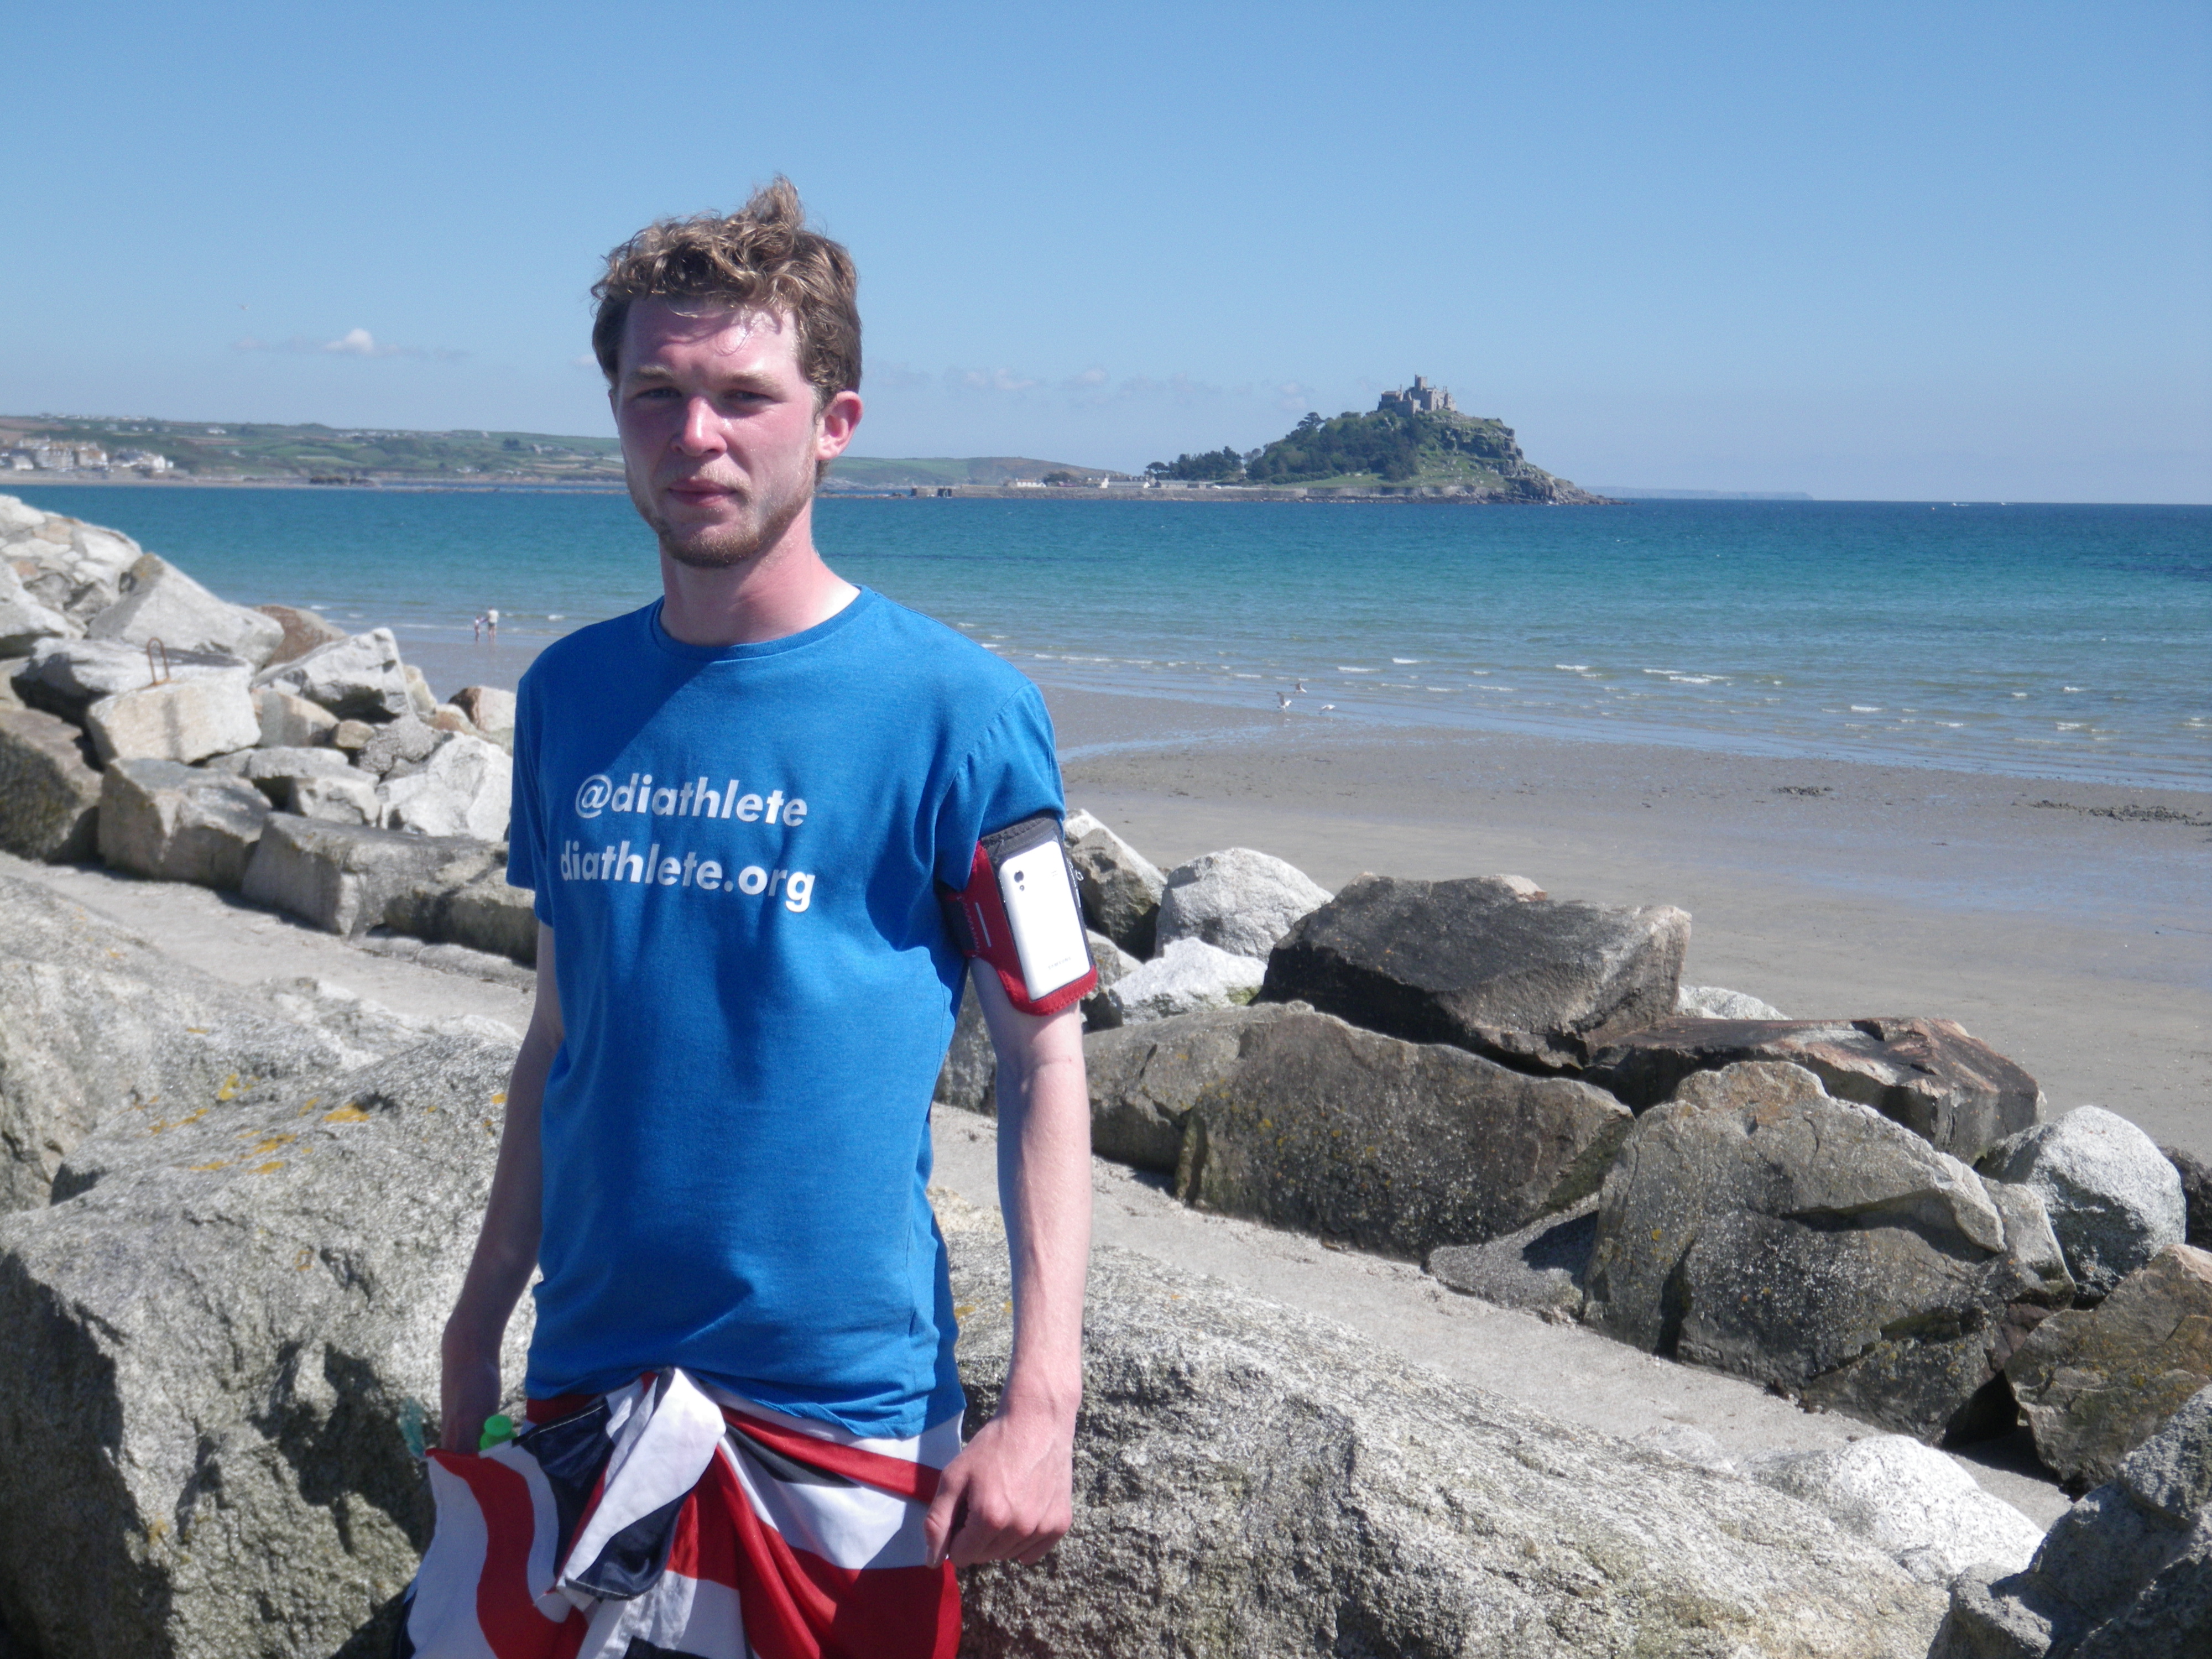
x=719 y=435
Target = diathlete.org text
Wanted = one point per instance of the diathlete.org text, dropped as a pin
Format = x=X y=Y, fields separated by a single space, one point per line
x=694 y=798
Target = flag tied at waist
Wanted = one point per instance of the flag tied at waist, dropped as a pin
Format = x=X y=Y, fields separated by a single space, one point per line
x=663 y=1519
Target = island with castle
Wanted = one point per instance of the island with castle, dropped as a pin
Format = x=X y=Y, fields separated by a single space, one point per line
x=1415 y=442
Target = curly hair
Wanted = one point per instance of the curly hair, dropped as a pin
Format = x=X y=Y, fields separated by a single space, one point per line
x=763 y=255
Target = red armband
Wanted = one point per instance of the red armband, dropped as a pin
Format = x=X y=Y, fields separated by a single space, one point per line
x=1021 y=913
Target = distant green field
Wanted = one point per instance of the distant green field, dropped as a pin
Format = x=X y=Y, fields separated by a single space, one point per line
x=214 y=449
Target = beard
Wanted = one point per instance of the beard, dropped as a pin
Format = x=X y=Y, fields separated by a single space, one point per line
x=764 y=514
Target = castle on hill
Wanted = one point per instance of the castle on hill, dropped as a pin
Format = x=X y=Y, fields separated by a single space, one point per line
x=1429 y=399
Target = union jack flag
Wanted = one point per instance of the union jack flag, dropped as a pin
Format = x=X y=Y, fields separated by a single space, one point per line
x=669 y=1521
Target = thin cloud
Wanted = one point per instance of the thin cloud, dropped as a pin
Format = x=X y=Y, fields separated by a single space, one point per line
x=353 y=343
x=988 y=379
x=1095 y=387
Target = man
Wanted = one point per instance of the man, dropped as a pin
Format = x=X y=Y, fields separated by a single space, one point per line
x=740 y=811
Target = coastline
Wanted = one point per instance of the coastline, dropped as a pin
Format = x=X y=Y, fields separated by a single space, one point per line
x=2071 y=937
x=1414 y=495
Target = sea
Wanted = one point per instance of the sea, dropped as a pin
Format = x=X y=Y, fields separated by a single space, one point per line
x=2052 y=642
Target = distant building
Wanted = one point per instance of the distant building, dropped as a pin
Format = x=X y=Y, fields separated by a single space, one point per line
x=1421 y=396
x=44 y=455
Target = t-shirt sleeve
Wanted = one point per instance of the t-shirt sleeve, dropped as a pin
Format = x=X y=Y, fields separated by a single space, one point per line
x=1009 y=774
x=526 y=858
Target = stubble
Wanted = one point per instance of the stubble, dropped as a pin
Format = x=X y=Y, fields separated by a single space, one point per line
x=765 y=516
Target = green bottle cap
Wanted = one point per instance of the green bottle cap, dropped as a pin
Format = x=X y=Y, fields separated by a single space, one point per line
x=497 y=1430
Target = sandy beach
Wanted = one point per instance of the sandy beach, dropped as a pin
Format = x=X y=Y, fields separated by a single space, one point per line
x=2076 y=937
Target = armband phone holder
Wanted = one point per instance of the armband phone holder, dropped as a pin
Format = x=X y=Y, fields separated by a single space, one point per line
x=1021 y=911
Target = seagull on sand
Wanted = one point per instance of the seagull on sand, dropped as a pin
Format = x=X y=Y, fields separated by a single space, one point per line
x=1329 y=708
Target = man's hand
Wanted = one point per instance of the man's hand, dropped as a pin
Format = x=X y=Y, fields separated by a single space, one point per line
x=1005 y=1497
x=468 y=1391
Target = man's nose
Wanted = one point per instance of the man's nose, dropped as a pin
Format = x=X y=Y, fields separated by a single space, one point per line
x=702 y=429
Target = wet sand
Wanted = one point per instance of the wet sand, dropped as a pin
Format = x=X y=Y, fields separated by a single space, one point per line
x=2076 y=937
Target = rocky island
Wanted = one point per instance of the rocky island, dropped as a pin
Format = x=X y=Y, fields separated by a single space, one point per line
x=1415 y=442
x=232 y=1215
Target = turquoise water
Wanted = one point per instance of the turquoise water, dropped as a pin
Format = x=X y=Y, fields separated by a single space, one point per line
x=2058 y=641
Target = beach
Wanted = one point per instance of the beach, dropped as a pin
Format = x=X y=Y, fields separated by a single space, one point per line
x=2076 y=938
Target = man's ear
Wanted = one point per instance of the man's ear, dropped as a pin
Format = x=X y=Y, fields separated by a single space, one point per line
x=834 y=428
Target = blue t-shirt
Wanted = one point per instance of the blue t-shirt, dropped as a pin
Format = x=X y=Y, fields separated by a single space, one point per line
x=736 y=849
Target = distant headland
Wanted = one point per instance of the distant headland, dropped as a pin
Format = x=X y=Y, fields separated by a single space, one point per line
x=1416 y=444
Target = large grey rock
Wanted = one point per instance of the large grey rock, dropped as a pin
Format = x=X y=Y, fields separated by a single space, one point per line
x=1114 y=965
x=292 y=722
x=1121 y=889
x=1539 y=1269
x=420 y=698
x=183 y=721
x=95 y=1023
x=2125 y=1574
x=1486 y=963
x=67 y=676
x=447 y=717
x=336 y=799
x=968 y=1077
x=221 y=1363
x=2115 y=1200
x=157 y=601
x=1931 y=1075
x=339 y=877
x=274 y=771
x=301 y=632
x=480 y=911
x=368 y=1030
x=398 y=747
x=359 y=677
x=2196 y=1193
x=1145 y=1079
x=1713 y=1002
x=64 y=563
x=179 y=823
x=1393 y=1146
x=1914 y=1504
x=1188 y=977
x=24 y=620
x=490 y=710
x=1250 y=1479
x=1756 y=1225
x=465 y=788
x=49 y=791
x=1237 y=900
x=2094 y=1383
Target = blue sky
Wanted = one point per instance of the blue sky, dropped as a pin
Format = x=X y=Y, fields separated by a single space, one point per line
x=1905 y=251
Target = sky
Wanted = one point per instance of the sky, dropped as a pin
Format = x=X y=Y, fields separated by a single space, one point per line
x=1889 y=252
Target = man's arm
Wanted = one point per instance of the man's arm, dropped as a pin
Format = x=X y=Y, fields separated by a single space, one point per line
x=507 y=1246
x=1008 y=1494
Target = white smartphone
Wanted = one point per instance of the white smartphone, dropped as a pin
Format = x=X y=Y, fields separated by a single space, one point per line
x=1040 y=906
